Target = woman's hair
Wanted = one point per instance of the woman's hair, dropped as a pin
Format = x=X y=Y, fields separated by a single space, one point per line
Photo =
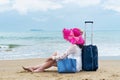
x=80 y=45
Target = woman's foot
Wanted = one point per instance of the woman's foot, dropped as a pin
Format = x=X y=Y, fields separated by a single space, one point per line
x=27 y=69
x=38 y=70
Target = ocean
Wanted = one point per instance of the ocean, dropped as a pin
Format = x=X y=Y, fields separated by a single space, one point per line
x=41 y=44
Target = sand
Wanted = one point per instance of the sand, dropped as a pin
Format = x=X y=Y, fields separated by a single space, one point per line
x=12 y=70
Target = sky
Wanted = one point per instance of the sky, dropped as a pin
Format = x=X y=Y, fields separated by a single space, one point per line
x=24 y=15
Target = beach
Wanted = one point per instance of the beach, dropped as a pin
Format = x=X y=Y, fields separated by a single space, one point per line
x=12 y=70
x=33 y=30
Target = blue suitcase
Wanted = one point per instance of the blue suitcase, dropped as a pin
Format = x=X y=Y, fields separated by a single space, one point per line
x=89 y=53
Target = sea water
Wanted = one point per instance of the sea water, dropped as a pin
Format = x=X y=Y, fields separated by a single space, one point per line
x=41 y=44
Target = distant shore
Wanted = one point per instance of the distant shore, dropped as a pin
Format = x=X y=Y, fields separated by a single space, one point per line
x=12 y=70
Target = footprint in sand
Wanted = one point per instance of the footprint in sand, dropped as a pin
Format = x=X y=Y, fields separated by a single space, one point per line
x=115 y=75
x=102 y=79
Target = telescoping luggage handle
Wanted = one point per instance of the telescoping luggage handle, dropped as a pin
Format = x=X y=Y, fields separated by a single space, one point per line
x=90 y=22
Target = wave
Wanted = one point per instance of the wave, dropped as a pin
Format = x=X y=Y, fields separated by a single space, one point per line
x=8 y=47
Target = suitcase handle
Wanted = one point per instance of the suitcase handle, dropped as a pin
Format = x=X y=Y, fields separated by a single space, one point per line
x=88 y=22
x=91 y=31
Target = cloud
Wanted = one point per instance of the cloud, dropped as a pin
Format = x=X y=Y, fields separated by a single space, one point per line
x=4 y=2
x=83 y=3
x=4 y=5
x=25 y=6
x=112 y=5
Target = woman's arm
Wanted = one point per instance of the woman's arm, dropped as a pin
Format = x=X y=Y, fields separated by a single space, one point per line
x=69 y=51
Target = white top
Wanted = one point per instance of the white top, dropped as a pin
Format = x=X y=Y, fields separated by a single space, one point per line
x=72 y=52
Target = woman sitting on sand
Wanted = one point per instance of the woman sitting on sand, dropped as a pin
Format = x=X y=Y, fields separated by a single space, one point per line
x=74 y=36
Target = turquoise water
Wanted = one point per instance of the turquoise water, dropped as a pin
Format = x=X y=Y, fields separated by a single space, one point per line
x=41 y=44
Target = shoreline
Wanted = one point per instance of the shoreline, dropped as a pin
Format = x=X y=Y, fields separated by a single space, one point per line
x=100 y=58
x=109 y=57
x=12 y=70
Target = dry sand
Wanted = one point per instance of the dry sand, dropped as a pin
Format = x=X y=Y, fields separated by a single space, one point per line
x=11 y=70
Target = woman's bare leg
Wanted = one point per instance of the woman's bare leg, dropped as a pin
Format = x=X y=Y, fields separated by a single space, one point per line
x=28 y=69
x=46 y=65
x=54 y=54
x=41 y=68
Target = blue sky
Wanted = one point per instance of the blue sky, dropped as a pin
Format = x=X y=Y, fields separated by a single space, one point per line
x=23 y=15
